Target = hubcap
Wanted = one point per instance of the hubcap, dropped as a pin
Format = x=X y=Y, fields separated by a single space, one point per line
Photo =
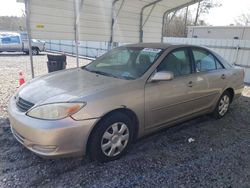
x=224 y=104
x=34 y=52
x=115 y=139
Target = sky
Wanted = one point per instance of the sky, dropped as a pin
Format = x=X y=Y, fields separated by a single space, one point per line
x=11 y=8
x=228 y=12
x=224 y=15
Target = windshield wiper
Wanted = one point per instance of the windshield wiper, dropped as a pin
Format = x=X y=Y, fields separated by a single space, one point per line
x=99 y=72
x=127 y=77
x=108 y=74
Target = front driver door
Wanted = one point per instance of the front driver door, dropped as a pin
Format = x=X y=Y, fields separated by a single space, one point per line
x=166 y=101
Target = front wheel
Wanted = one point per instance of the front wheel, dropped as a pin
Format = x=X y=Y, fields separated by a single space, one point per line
x=222 y=105
x=112 y=138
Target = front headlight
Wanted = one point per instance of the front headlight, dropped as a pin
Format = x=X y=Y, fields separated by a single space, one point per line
x=55 y=111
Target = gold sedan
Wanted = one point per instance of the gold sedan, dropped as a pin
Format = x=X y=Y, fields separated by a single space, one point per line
x=129 y=92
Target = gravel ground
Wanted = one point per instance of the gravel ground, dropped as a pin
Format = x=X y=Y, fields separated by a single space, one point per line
x=218 y=156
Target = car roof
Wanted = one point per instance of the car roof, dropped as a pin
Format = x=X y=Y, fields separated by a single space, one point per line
x=8 y=34
x=161 y=45
x=150 y=45
x=174 y=46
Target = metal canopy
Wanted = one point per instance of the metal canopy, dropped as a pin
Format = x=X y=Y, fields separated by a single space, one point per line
x=125 y=21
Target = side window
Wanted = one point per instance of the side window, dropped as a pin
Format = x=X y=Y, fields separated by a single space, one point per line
x=24 y=36
x=177 y=62
x=205 y=61
x=10 y=40
x=6 y=40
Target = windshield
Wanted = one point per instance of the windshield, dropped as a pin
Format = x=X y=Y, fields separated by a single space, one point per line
x=125 y=62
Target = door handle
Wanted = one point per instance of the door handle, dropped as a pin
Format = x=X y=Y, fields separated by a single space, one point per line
x=223 y=76
x=190 y=84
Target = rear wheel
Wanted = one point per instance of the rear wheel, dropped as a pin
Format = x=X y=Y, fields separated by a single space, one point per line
x=35 y=51
x=222 y=105
x=112 y=138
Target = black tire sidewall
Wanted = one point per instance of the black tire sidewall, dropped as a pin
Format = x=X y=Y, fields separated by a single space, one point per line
x=95 y=150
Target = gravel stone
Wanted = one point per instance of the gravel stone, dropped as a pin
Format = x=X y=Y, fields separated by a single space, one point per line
x=219 y=157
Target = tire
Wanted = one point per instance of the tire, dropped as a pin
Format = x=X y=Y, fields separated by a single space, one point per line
x=222 y=106
x=111 y=138
x=35 y=51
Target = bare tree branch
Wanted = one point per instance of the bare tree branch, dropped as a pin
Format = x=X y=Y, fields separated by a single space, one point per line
x=12 y=23
x=243 y=20
x=204 y=7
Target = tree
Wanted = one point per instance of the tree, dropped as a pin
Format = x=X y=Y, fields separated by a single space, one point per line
x=243 y=20
x=175 y=24
x=12 y=23
x=204 y=7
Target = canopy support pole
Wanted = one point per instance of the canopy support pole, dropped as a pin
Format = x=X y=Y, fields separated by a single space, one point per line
x=186 y=19
x=141 y=18
x=76 y=27
x=172 y=10
x=113 y=19
x=27 y=12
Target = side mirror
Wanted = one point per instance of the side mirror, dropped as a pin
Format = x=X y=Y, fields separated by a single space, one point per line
x=162 y=76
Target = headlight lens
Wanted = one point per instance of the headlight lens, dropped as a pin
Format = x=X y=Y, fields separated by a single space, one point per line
x=55 y=111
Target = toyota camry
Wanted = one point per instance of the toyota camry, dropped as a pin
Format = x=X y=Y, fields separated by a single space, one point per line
x=100 y=109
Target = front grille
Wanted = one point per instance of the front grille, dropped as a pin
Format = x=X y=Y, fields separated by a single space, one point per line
x=23 y=105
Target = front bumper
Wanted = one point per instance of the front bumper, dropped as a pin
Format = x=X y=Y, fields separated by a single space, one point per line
x=65 y=137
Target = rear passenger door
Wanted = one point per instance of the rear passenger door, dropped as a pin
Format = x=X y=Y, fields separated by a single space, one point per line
x=209 y=69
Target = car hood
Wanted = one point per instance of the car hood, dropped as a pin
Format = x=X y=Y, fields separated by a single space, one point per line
x=67 y=85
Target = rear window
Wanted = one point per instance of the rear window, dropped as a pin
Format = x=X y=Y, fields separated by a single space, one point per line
x=24 y=36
